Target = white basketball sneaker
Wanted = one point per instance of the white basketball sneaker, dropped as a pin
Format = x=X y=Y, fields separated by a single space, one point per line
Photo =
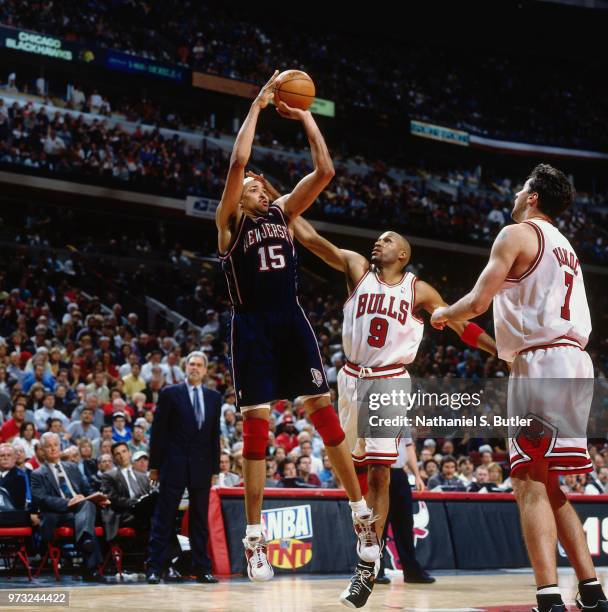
x=258 y=567
x=368 y=546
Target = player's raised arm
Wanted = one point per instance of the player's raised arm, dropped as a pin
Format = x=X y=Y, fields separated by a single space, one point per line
x=241 y=152
x=349 y=262
x=505 y=250
x=309 y=188
x=429 y=299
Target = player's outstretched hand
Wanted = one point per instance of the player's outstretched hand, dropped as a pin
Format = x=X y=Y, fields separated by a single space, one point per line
x=291 y=113
x=438 y=318
x=267 y=92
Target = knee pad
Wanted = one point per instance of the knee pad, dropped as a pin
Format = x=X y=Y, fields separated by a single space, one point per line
x=327 y=424
x=255 y=438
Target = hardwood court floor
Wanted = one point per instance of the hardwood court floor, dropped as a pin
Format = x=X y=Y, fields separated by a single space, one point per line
x=505 y=591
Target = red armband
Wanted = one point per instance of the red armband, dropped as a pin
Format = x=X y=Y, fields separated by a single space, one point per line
x=471 y=334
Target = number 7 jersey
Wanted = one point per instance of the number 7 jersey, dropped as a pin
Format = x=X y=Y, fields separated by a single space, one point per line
x=261 y=267
x=547 y=304
x=380 y=327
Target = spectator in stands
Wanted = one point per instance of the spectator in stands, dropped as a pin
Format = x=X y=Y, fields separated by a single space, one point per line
x=173 y=373
x=59 y=491
x=138 y=440
x=447 y=479
x=326 y=474
x=77 y=98
x=105 y=435
x=41 y=376
x=156 y=383
x=495 y=476
x=133 y=382
x=430 y=468
x=120 y=431
x=83 y=428
x=12 y=427
x=12 y=478
x=141 y=460
x=304 y=470
x=226 y=477
x=91 y=402
x=482 y=482
x=47 y=412
x=228 y=424
x=99 y=388
x=572 y=484
x=104 y=463
x=288 y=439
x=597 y=482
x=27 y=438
x=153 y=362
x=466 y=471
x=272 y=478
x=87 y=465
x=290 y=477
x=124 y=487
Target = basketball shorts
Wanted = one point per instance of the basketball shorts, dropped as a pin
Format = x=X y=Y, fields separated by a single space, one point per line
x=365 y=450
x=558 y=409
x=275 y=355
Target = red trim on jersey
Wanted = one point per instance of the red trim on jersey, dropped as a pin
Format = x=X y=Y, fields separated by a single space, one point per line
x=356 y=287
x=573 y=342
x=539 y=255
x=387 y=284
x=414 y=281
x=238 y=235
x=377 y=372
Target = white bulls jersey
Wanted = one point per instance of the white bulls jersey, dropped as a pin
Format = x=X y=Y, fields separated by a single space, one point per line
x=379 y=326
x=545 y=305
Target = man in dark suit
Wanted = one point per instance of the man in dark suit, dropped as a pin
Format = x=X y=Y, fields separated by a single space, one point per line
x=124 y=487
x=11 y=477
x=59 y=491
x=184 y=452
x=132 y=502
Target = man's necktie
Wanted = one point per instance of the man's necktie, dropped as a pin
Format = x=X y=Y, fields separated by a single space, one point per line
x=134 y=484
x=198 y=410
x=63 y=484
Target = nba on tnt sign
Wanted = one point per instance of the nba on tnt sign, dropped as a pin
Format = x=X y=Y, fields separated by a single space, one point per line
x=285 y=529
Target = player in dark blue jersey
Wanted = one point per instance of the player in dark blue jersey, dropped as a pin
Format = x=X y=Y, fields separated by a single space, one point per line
x=275 y=354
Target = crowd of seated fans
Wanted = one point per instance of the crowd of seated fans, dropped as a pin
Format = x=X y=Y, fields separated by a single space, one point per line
x=473 y=89
x=50 y=143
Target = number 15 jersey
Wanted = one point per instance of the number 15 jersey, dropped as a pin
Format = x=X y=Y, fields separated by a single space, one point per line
x=547 y=304
x=380 y=327
x=261 y=267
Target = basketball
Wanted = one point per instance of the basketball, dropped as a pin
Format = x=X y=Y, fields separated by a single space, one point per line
x=295 y=88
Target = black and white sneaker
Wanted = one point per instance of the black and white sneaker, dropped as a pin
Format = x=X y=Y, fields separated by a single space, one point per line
x=555 y=608
x=600 y=606
x=361 y=585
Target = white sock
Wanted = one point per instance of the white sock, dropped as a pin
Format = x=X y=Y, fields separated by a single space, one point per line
x=253 y=531
x=359 y=507
x=548 y=591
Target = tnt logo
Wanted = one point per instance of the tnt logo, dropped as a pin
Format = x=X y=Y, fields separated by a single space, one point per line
x=285 y=529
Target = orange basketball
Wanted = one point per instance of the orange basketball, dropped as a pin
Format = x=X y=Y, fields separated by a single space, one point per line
x=295 y=88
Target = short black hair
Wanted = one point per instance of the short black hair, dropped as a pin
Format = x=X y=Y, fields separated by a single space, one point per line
x=555 y=192
x=117 y=444
x=449 y=459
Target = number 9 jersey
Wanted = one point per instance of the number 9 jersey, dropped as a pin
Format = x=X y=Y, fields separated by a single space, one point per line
x=380 y=327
